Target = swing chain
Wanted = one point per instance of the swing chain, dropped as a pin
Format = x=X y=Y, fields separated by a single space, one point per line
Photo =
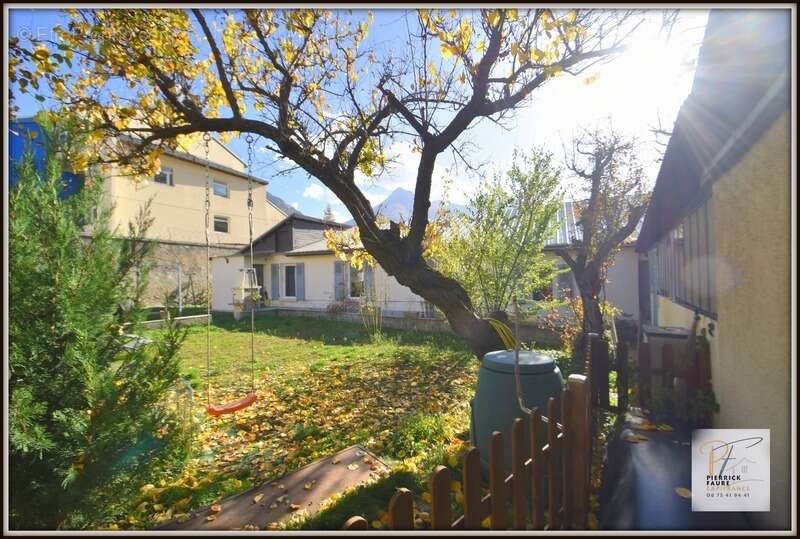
x=206 y=141
x=249 y=139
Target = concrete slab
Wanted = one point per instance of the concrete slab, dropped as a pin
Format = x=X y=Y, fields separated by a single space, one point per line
x=283 y=497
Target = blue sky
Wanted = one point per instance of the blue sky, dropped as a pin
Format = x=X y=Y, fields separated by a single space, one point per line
x=647 y=82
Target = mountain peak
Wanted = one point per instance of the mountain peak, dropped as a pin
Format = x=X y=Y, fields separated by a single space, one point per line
x=399 y=206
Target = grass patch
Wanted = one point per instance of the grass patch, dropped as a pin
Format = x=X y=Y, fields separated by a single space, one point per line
x=322 y=386
x=368 y=501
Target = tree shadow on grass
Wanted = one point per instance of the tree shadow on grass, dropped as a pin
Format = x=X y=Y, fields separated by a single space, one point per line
x=330 y=332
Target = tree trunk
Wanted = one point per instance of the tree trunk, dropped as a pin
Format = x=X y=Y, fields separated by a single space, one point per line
x=592 y=323
x=446 y=293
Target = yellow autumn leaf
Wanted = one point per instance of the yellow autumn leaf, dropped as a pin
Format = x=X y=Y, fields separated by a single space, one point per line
x=486 y=522
x=664 y=427
x=448 y=50
x=427 y=497
x=376 y=524
x=257 y=498
x=493 y=17
x=683 y=492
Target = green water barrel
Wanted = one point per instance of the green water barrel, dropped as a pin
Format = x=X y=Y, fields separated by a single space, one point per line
x=495 y=405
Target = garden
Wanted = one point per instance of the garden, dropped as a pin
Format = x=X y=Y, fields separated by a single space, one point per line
x=111 y=435
x=322 y=386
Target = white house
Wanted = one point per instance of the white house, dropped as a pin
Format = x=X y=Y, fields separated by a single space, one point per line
x=296 y=270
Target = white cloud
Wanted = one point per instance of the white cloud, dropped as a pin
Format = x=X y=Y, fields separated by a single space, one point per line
x=315 y=191
x=295 y=205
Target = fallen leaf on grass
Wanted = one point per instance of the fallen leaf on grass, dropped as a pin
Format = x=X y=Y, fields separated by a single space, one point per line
x=683 y=492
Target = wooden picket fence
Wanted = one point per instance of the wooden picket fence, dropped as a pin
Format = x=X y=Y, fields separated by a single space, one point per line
x=560 y=449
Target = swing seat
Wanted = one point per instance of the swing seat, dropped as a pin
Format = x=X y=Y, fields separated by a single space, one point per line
x=232 y=407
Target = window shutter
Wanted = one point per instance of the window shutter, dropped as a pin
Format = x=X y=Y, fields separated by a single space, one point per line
x=369 y=282
x=338 y=280
x=300 y=281
x=275 y=277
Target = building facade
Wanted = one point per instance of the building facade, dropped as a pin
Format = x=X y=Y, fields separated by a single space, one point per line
x=718 y=229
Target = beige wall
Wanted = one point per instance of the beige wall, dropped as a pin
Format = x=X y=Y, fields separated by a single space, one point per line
x=225 y=276
x=179 y=210
x=750 y=351
x=752 y=370
x=622 y=287
x=319 y=284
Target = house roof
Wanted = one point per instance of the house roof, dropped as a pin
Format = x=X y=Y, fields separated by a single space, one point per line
x=293 y=216
x=740 y=88
x=186 y=156
x=568 y=229
x=569 y=232
x=282 y=206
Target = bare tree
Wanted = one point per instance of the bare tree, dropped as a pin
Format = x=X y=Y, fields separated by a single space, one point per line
x=606 y=165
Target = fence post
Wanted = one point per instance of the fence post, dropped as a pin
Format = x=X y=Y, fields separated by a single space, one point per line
x=440 y=499
x=552 y=464
x=355 y=523
x=471 y=486
x=401 y=510
x=497 y=476
x=518 y=469
x=579 y=439
x=537 y=470
x=567 y=449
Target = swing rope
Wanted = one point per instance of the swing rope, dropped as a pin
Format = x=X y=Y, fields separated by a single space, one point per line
x=251 y=397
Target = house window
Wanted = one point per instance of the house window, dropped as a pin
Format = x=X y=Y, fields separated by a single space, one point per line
x=221 y=224
x=682 y=264
x=288 y=282
x=356 y=282
x=164 y=176
x=221 y=189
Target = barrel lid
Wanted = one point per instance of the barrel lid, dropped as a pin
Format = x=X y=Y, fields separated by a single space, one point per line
x=530 y=362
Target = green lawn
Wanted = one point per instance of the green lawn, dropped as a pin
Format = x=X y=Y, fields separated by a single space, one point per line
x=322 y=386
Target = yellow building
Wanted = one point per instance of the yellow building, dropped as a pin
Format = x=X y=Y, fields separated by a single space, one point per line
x=177 y=207
x=717 y=232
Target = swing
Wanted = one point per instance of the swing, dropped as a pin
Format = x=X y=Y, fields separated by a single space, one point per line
x=251 y=286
